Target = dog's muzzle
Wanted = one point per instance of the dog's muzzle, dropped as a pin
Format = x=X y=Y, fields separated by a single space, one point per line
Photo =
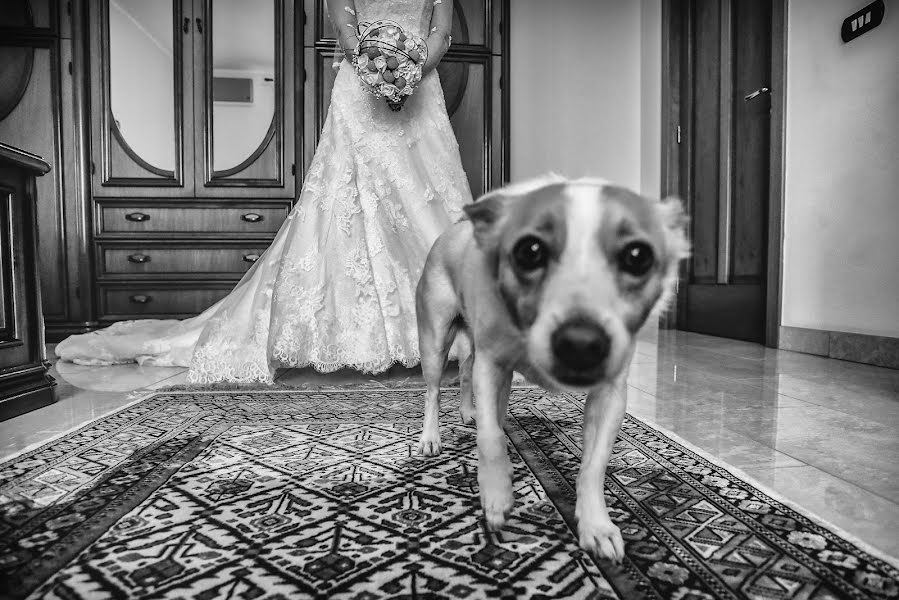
x=580 y=347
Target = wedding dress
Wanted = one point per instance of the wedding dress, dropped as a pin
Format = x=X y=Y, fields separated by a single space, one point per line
x=336 y=288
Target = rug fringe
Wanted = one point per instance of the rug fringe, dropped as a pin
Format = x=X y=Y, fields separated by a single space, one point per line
x=407 y=383
x=401 y=384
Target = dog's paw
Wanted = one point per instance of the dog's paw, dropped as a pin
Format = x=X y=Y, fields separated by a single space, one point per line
x=497 y=501
x=601 y=538
x=467 y=413
x=429 y=444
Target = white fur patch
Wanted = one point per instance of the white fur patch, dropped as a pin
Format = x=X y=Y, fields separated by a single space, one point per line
x=582 y=222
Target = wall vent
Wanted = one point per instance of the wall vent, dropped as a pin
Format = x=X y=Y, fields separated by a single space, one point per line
x=232 y=89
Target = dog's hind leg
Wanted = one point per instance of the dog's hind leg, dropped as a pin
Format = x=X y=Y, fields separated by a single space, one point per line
x=436 y=331
x=466 y=360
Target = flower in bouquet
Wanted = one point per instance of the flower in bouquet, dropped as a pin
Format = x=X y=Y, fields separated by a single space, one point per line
x=389 y=61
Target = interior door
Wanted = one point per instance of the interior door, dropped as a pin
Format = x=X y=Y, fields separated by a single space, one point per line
x=244 y=98
x=726 y=124
x=470 y=73
x=141 y=78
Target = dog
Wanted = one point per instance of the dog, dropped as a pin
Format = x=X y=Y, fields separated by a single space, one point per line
x=551 y=278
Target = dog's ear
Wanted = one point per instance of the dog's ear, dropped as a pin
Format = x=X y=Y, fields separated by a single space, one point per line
x=677 y=246
x=675 y=221
x=485 y=215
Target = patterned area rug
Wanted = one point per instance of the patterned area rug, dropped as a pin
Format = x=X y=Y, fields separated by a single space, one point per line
x=298 y=494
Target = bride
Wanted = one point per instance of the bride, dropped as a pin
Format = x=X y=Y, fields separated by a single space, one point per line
x=336 y=288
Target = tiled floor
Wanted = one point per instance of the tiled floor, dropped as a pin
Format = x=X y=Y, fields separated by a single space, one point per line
x=823 y=433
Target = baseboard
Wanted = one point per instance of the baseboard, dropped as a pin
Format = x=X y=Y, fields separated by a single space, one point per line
x=875 y=350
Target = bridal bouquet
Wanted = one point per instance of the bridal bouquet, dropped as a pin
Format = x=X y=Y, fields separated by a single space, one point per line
x=389 y=61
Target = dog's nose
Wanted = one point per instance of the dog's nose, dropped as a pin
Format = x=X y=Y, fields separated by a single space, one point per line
x=580 y=345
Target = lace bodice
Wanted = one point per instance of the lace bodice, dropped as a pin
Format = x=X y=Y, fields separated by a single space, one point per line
x=413 y=15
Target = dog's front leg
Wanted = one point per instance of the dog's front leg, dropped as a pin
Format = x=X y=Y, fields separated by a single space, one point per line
x=491 y=392
x=603 y=414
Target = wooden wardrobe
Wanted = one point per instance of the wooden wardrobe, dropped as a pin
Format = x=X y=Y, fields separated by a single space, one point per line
x=179 y=132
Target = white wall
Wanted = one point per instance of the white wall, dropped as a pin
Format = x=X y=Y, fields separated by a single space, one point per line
x=585 y=89
x=841 y=221
x=650 y=97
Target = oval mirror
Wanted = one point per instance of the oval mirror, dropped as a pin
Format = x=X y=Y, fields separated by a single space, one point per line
x=243 y=81
x=142 y=81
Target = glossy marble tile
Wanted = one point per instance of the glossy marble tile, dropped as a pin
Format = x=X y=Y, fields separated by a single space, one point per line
x=855 y=394
x=118 y=378
x=867 y=516
x=714 y=438
x=75 y=407
x=177 y=379
x=677 y=381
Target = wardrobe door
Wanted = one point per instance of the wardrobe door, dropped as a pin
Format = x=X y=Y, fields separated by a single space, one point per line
x=141 y=96
x=244 y=98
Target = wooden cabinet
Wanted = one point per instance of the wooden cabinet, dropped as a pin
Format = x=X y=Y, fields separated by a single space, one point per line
x=193 y=141
x=179 y=132
x=24 y=383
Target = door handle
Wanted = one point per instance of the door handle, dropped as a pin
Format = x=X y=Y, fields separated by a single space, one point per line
x=139 y=258
x=137 y=217
x=756 y=94
x=250 y=258
x=140 y=299
x=251 y=217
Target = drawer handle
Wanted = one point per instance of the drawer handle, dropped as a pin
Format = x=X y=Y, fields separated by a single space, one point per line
x=141 y=299
x=250 y=258
x=137 y=217
x=251 y=217
x=139 y=258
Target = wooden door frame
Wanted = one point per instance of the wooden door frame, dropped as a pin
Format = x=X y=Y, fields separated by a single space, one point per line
x=675 y=69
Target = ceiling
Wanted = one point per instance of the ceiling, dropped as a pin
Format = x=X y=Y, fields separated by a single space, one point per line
x=243 y=30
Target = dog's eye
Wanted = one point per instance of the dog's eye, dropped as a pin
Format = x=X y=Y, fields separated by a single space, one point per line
x=530 y=254
x=636 y=259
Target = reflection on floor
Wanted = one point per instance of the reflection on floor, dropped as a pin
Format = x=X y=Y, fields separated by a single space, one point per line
x=819 y=431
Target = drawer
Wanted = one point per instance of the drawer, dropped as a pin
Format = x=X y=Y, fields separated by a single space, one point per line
x=176 y=260
x=158 y=302
x=145 y=219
